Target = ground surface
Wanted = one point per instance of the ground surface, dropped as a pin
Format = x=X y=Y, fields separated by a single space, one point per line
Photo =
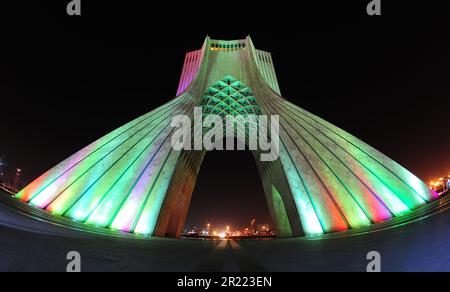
x=419 y=246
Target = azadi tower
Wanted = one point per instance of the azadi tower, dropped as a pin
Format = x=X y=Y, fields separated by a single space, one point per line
x=132 y=180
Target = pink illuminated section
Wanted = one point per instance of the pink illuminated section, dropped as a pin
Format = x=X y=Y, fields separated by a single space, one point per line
x=191 y=67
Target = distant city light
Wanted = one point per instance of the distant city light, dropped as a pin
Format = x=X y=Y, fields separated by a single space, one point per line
x=252 y=231
x=441 y=185
x=10 y=181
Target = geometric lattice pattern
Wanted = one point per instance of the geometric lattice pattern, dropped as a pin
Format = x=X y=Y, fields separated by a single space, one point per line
x=229 y=97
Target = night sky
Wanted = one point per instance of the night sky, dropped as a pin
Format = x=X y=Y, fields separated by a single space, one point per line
x=65 y=82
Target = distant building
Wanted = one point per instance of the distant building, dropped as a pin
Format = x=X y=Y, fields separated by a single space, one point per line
x=264 y=228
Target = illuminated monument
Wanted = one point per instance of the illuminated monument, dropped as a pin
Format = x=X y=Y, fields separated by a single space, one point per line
x=324 y=181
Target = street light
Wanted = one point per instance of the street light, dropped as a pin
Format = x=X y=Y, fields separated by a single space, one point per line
x=2 y=181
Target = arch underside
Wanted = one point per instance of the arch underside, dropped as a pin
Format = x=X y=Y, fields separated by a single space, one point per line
x=325 y=180
x=176 y=205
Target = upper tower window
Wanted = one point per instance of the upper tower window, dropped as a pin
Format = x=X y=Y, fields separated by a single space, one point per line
x=227 y=47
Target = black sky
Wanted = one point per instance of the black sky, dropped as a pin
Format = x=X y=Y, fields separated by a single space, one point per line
x=64 y=82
